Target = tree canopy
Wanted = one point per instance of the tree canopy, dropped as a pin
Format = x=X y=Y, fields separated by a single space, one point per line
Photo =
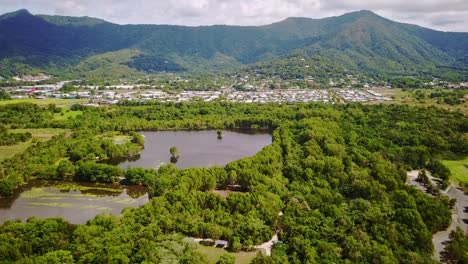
x=332 y=184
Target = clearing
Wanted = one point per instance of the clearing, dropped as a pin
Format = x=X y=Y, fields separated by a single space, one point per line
x=117 y=137
x=459 y=170
x=44 y=102
x=42 y=134
x=66 y=113
x=408 y=97
x=213 y=254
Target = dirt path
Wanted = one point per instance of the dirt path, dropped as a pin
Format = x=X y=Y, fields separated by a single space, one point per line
x=459 y=212
x=266 y=247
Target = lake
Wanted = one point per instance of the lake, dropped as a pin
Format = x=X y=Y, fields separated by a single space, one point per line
x=196 y=148
x=79 y=202
x=75 y=202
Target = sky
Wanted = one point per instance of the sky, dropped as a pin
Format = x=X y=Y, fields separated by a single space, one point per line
x=446 y=15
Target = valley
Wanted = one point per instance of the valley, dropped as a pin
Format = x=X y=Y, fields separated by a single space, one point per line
x=340 y=139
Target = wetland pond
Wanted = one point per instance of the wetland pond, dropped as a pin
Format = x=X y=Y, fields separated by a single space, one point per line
x=79 y=202
x=196 y=148
x=76 y=202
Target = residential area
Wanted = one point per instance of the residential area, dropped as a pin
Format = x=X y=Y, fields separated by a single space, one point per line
x=114 y=93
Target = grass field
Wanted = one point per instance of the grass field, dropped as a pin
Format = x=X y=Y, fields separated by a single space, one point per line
x=213 y=254
x=7 y=152
x=406 y=97
x=66 y=113
x=459 y=169
x=44 y=102
x=114 y=136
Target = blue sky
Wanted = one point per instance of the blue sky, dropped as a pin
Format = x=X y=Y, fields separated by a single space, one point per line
x=447 y=15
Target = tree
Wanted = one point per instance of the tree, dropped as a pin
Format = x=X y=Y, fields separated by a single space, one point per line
x=457 y=249
x=4 y=95
x=56 y=257
x=235 y=244
x=65 y=169
x=68 y=87
x=262 y=259
x=432 y=189
x=96 y=172
x=137 y=138
x=139 y=175
x=422 y=177
x=226 y=259
x=174 y=154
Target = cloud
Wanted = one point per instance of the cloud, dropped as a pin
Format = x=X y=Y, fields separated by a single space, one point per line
x=439 y=14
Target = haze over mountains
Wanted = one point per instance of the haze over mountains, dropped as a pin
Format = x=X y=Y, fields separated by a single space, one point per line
x=358 y=41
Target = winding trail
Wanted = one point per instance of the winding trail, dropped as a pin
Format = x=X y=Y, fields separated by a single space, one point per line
x=459 y=212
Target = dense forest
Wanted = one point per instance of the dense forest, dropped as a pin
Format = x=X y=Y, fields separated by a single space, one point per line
x=357 y=42
x=332 y=184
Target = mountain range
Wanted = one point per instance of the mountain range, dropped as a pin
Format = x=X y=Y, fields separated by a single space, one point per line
x=358 y=41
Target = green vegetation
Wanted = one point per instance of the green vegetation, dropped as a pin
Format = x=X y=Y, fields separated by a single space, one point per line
x=174 y=154
x=332 y=184
x=95 y=172
x=458 y=169
x=65 y=113
x=68 y=88
x=7 y=152
x=457 y=249
x=107 y=66
x=426 y=97
x=358 y=42
x=4 y=95
x=11 y=138
x=43 y=102
x=40 y=134
x=101 y=240
x=336 y=172
x=67 y=186
x=214 y=254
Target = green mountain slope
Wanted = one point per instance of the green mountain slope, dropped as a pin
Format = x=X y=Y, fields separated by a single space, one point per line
x=358 y=41
x=370 y=42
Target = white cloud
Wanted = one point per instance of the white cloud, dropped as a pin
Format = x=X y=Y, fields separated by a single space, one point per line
x=439 y=14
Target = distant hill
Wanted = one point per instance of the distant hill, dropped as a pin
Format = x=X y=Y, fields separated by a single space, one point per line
x=358 y=41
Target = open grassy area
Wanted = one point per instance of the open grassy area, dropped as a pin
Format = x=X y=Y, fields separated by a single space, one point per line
x=40 y=133
x=213 y=254
x=115 y=136
x=400 y=96
x=44 y=102
x=459 y=169
x=7 y=152
x=66 y=113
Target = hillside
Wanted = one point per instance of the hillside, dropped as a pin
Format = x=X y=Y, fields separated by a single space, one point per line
x=358 y=41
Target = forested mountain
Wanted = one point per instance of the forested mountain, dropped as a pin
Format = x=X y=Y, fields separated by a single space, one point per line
x=357 y=41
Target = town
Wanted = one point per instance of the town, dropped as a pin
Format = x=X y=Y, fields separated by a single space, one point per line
x=113 y=94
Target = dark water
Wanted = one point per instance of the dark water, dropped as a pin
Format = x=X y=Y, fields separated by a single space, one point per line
x=196 y=148
x=76 y=203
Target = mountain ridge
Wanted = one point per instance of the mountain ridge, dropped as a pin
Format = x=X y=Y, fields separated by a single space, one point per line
x=360 y=41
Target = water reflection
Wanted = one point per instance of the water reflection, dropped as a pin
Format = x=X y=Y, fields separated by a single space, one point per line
x=75 y=202
x=196 y=148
